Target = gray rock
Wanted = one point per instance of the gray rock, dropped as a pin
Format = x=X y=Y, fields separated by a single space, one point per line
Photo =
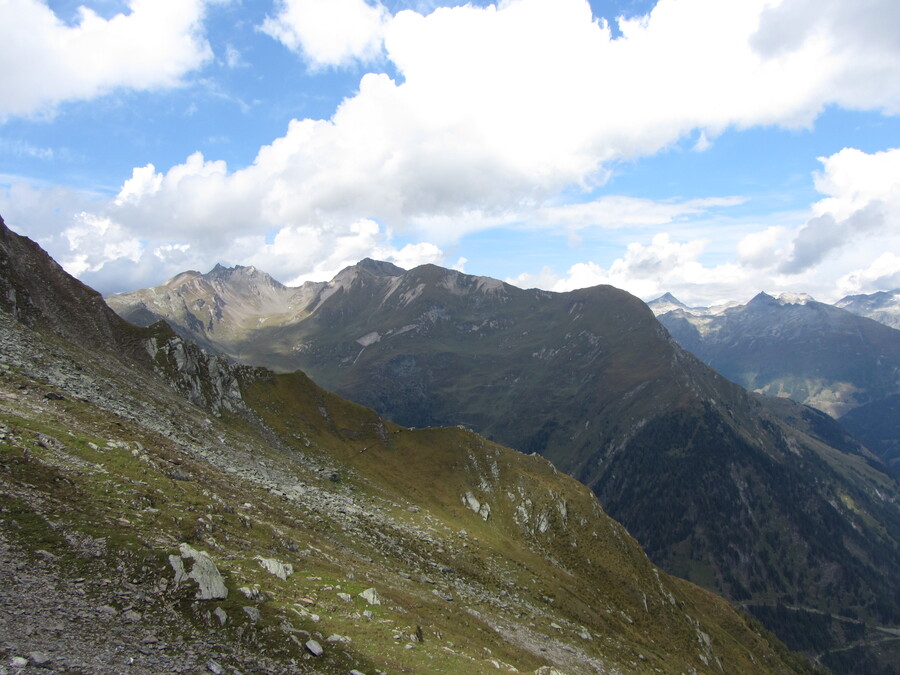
x=39 y=659
x=132 y=616
x=314 y=648
x=276 y=567
x=205 y=573
x=214 y=667
x=252 y=593
x=252 y=613
x=221 y=616
x=370 y=595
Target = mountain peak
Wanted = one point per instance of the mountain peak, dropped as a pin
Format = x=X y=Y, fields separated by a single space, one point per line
x=222 y=270
x=762 y=299
x=380 y=268
x=795 y=298
x=668 y=297
x=666 y=303
x=241 y=273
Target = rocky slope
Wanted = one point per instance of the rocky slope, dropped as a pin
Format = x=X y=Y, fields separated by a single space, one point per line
x=175 y=513
x=762 y=500
x=883 y=306
x=792 y=346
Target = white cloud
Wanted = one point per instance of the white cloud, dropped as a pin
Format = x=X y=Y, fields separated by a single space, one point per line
x=500 y=108
x=761 y=249
x=616 y=211
x=44 y=62
x=94 y=241
x=861 y=208
x=882 y=274
x=661 y=266
x=545 y=279
x=495 y=113
x=645 y=270
x=323 y=251
x=329 y=32
x=846 y=247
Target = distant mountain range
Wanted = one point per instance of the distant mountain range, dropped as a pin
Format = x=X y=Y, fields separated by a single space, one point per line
x=766 y=501
x=164 y=510
x=812 y=352
x=883 y=306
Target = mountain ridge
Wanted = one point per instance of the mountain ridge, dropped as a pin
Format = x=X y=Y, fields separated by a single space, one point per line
x=740 y=493
x=882 y=306
x=239 y=536
x=794 y=346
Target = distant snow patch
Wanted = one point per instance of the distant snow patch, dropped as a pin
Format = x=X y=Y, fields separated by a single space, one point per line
x=794 y=299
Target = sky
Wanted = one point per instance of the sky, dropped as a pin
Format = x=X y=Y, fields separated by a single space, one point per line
x=708 y=148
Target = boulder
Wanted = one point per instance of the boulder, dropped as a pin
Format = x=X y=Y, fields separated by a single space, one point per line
x=276 y=567
x=211 y=585
x=371 y=596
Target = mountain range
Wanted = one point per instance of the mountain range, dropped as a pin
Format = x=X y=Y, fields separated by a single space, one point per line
x=165 y=510
x=765 y=501
x=835 y=360
x=883 y=306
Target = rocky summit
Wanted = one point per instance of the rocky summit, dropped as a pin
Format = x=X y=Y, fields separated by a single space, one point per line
x=761 y=499
x=163 y=510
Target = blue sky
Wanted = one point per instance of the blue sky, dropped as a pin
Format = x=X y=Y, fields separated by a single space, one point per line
x=708 y=149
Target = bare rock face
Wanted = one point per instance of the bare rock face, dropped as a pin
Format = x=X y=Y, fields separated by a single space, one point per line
x=204 y=379
x=211 y=585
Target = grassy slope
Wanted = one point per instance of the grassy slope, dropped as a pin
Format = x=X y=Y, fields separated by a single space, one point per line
x=71 y=467
x=742 y=498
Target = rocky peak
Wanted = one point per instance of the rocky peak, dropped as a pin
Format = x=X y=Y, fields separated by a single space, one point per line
x=795 y=298
x=242 y=275
x=380 y=268
x=762 y=299
x=666 y=303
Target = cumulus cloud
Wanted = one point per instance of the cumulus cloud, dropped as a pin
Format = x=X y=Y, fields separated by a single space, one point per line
x=494 y=113
x=540 y=99
x=859 y=40
x=663 y=265
x=329 y=32
x=761 y=249
x=845 y=247
x=95 y=240
x=862 y=204
x=45 y=61
x=882 y=274
x=646 y=270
